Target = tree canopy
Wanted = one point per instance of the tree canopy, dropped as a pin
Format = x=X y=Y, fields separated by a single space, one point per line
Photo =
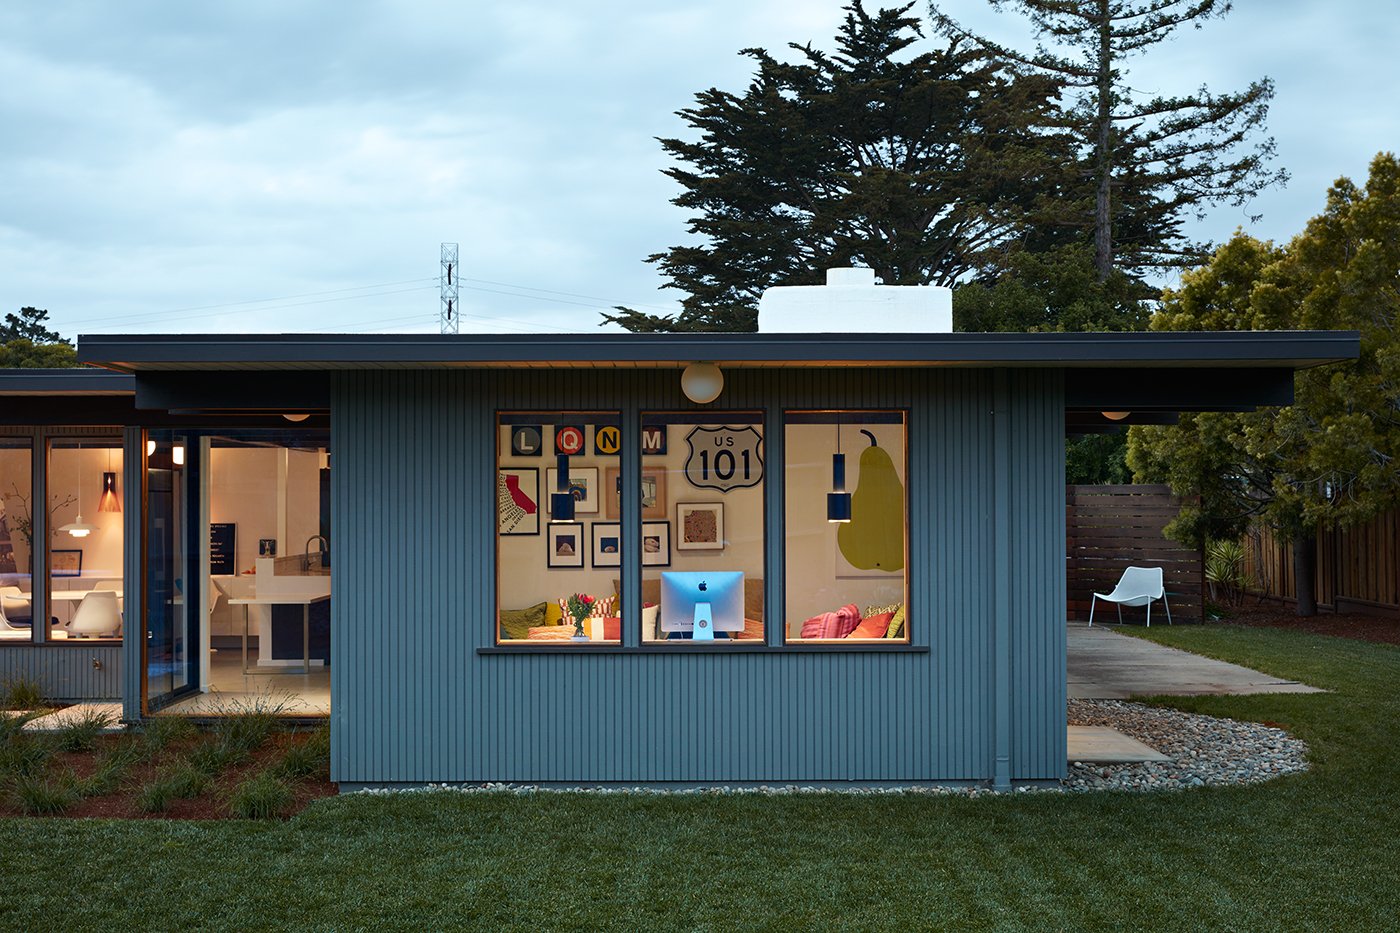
x=1146 y=161
x=27 y=342
x=1332 y=457
x=920 y=166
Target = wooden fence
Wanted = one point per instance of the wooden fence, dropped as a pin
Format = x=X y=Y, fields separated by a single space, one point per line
x=1108 y=528
x=1357 y=568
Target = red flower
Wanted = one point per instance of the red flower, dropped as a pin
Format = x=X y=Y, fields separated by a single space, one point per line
x=587 y=600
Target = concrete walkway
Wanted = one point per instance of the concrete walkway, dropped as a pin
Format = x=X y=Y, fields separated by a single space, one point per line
x=1105 y=665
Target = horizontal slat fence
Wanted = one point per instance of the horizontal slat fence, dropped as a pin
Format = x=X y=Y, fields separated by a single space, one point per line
x=1109 y=528
x=1357 y=567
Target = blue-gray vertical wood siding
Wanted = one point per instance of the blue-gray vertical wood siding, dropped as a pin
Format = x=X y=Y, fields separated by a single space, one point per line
x=413 y=499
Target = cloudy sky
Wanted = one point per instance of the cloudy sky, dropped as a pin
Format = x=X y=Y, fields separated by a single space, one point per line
x=274 y=165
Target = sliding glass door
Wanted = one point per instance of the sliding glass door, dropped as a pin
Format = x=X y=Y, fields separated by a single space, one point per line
x=172 y=589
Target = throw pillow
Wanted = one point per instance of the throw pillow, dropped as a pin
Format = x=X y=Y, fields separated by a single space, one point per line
x=836 y=624
x=896 y=629
x=603 y=607
x=516 y=623
x=553 y=614
x=876 y=626
x=881 y=610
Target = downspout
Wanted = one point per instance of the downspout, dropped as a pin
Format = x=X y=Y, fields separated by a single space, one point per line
x=1001 y=589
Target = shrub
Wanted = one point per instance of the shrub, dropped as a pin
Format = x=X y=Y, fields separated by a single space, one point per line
x=39 y=795
x=162 y=731
x=80 y=730
x=22 y=693
x=261 y=797
x=312 y=756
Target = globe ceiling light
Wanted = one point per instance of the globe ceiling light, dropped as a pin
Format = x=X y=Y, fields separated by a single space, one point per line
x=1115 y=415
x=296 y=418
x=702 y=382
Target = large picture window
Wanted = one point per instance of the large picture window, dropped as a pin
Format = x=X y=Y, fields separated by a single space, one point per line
x=16 y=539
x=702 y=527
x=87 y=598
x=559 y=531
x=846 y=512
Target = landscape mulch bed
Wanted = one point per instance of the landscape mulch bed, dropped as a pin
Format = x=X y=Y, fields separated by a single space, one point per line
x=213 y=804
x=1372 y=628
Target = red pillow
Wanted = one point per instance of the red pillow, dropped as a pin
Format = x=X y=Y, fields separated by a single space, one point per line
x=612 y=628
x=836 y=624
x=873 y=626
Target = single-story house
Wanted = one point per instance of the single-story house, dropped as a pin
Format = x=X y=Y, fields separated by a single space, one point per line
x=821 y=557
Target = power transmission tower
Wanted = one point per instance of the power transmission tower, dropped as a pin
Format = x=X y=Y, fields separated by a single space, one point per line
x=449 y=314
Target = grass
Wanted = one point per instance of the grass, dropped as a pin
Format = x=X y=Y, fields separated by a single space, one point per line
x=181 y=783
x=1314 y=851
x=261 y=797
x=20 y=693
x=309 y=758
x=79 y=733
x=43 y=795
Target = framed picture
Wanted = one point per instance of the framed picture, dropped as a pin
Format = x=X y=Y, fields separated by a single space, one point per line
x=526 y=440
x=700 y=526
x=583 y=483
x=66 y=563
x=656 y=544
x=607 y=544
x=518 y=501
x=653 y=493
x=565 y=544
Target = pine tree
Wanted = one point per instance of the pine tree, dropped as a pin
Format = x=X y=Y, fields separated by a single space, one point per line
x=920 y=166
x=30 y=324
x=1147 y=162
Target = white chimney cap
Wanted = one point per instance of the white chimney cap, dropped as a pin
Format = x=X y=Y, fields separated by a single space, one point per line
x=851 y=303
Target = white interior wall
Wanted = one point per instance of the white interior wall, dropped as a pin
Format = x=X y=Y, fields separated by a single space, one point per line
x=78 y=473
x=15 y=481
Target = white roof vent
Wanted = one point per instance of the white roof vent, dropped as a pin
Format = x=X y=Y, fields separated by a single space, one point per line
x=851 y=303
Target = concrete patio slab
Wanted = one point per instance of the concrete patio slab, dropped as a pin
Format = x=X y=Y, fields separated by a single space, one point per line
x=1102 y=745
x=56 y=720
x=1105 y=665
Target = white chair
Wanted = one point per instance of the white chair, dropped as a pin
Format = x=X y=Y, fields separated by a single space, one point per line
x=111 y=585
x=1138 y=586
x=97 y=615
x=14 y=607
x=10 y=632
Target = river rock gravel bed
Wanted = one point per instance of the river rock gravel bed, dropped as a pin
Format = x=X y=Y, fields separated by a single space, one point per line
x=1205 y=750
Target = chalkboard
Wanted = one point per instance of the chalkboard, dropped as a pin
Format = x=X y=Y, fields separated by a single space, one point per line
x=221 y=547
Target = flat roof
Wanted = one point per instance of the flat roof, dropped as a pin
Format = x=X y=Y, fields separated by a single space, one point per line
x=79 y=381
x=131 y=353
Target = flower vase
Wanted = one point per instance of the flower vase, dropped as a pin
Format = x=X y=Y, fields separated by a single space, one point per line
x=579 y=634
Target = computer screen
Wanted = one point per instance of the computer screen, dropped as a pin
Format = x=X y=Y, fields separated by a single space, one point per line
x=720 y=591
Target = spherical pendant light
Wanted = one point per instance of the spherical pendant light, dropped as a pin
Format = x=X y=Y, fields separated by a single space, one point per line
x=702 y=382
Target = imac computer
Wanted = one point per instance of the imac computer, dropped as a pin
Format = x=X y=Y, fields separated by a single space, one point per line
x=702 y=603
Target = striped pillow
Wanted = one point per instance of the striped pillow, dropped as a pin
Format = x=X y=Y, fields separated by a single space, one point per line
x=836 y=624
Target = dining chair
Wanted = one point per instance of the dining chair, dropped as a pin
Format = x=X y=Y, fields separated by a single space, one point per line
x=97 y=615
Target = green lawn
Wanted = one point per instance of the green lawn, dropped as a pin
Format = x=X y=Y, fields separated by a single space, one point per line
x=1314 y=851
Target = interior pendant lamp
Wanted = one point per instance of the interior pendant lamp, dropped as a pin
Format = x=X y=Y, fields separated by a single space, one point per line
x=561 y=501
x=110 y=500
x=838 y=501
x=79 y=528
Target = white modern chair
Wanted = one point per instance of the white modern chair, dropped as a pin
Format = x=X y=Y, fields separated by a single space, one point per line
x=97 y=614
x=13 y=606
x=1138 y=586
x=111 y=585
x=10 y=632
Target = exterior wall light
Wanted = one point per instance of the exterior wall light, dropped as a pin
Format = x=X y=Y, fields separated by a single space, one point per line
x=702 y=382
